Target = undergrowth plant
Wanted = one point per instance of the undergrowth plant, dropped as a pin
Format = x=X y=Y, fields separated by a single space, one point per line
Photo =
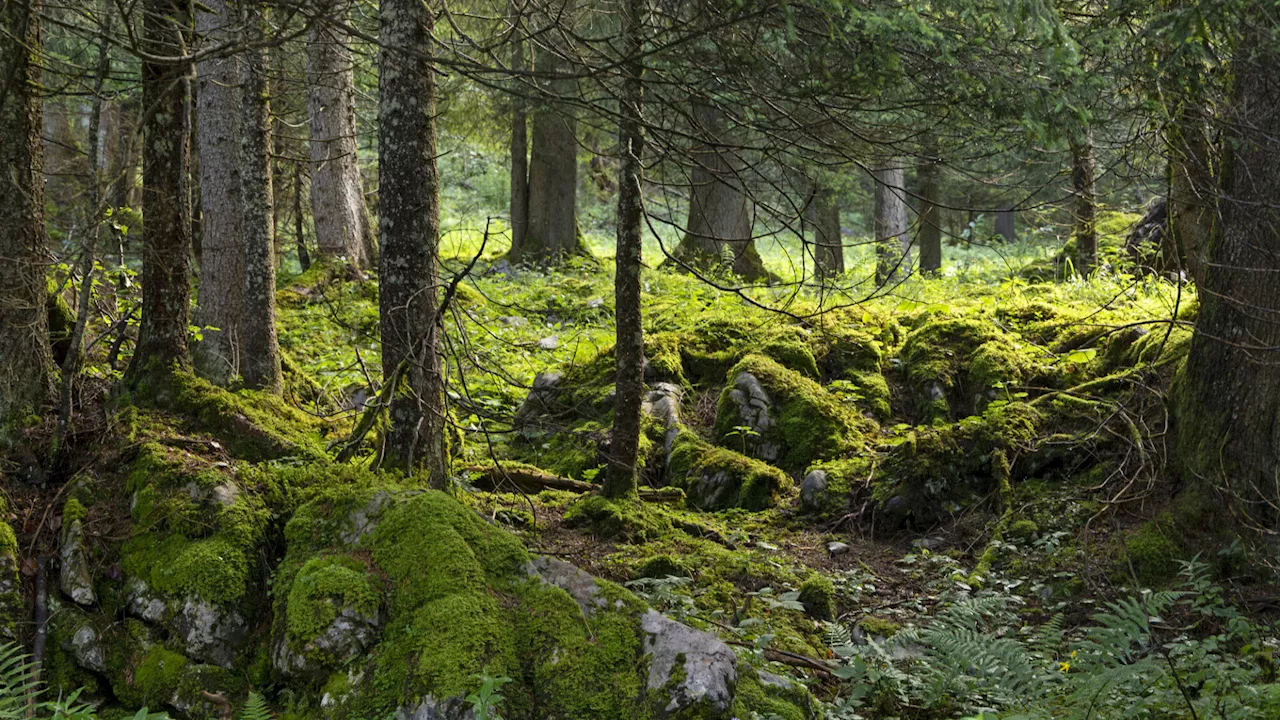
x=23 y=695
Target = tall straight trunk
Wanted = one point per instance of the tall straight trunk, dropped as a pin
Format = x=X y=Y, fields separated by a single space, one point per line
x=166 y=232
x=892 y=241
x=342 y=225
x=929 y=236
x=123 y=173
x=93 y=231
x=260 y=364
x=552 y=232
x=220 y=300
x=1228 y=396
x=1085 y=202
x=720 y=219
x=624 y=442
x=1006 y=221
x=409 y=188
x=519 y=144
x=299 y=239
x=26 y=361
x=828 y=241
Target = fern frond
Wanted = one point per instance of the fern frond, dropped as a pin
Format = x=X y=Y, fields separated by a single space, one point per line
x=19 y=687
x=255 y=708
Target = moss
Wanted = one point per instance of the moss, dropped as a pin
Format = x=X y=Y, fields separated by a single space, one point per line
x=624 y=518
x=878 y=626
x=62 y=322
x=793 y=355
x=253 y=426
x=1152 y=550
x=807 y=422
x=955 y=364
x=715 y=478
x=818 y=595
x=755 y=699
x=1023 y=530
x=72 y=511
x=324 y=587
x=660 y=566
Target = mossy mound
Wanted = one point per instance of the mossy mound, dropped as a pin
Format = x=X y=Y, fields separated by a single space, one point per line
x=781 y=416
x=716 y=478
x=936 y=470
x=955 y=366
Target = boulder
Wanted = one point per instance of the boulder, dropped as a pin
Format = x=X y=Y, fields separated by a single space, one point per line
x=74 y=576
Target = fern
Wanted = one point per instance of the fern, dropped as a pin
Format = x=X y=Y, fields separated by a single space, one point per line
x=19 y=685
x=255 y=708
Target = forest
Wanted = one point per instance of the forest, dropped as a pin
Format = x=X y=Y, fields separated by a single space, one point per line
x=639 y=359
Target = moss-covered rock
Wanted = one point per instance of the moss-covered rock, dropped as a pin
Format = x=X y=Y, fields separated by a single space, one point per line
x=782 y=417
x=818 y=595
x=716 y=478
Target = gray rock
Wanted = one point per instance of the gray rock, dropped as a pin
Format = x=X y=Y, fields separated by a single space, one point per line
x=710 y=667
x=663 y=403
x=550 y=342
x=349 y=636
x=580 y=584
x=929 y=543
x=74 y=577
x=432 y=709
x=753 y=406
x=837 y=548
x=768 y=679
x=213 y=634
x=144 y=604
x=514 y=320
x=546 y=385
x=362 y=521
x=812 y=490
x=716 y=490
x=86 y=648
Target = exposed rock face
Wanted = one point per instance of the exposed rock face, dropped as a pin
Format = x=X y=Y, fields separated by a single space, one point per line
x=663 y=404
x=212 y=633
x=812 y=490
x=75 y=578
x=541 y=398
x=433 y=709
x=754 y=413
x=86 y=647
x=710 y=669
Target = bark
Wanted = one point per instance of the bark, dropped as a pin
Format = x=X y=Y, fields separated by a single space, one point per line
x=828 y=241
x=25 y=357
x=409 y=189
x=1085 y=204
x=166 y=233
x=552 y=232
x=1192 y=193
x=1228 y=396
x=1006 y=221
x=220 y=300
x=299 y=237
x=519 y=148
x=929 y=236
x=719 y=212
x=892 y=241
x=260 y=351
x=342 y=225
x=624 y=443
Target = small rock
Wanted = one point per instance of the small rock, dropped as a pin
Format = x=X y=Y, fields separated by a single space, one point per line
x=432 y=709
x=931 y=543
x=75 y=578
x=812 y=489
x=86 y=648
x=212 y=633
x=549 y=343
x=144 y=604
x=710 y=667
x=837 y=548
x=513 y=320
x=594 y=303
x=546 y=385
x=580 y=585
x=753 y=406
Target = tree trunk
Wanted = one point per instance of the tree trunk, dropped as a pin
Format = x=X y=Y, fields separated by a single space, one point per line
x=409 y=188
x=342 y=225
x=220 y=300
x=166 y=232
x=892 y=241
x=26 y=382
x=719 y=212
x=828 y=241
x=1228 y=396
x=1085 y=211
x=1192 y=193
x=299 y=237
x=1005 y=224
x=519 y=146
x=624 y=442
x=929 y=236
x=260 y=351
x=553 y=176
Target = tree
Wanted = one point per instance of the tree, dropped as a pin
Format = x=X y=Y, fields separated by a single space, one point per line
x=26 y=383
x=929 y=234
x=220 y=301
x=892 y=241
x=720 y=219
x=624 y=442
x=828 y=242
x=260 y=351
x=342 y=224
x=1228 y=395
x=166 y=232
x=409 y=188
x=1085 y=203
x=552 y=232
x=519 y=208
